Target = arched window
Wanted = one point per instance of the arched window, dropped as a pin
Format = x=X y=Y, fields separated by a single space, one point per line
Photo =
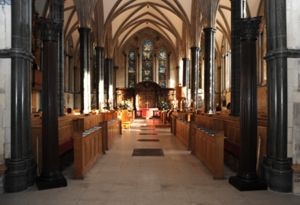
x=162 y=68
x=147 y=61
x=131 y=69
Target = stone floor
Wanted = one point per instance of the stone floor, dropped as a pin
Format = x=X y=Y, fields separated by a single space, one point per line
x=178 y=178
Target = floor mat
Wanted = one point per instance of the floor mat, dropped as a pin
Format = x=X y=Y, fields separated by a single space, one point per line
x=148 y=140
x=148 y=133
x=148 y=152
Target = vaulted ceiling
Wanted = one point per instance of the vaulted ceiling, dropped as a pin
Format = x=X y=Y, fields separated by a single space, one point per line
x=118 y=20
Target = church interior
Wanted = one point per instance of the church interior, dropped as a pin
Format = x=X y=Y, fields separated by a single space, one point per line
x=149 y=102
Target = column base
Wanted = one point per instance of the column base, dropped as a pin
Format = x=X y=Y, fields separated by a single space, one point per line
x=15 y=178
x=51 y=181
x=247 y=185
x=267 y=167
x=281 y=176
x=31 y=174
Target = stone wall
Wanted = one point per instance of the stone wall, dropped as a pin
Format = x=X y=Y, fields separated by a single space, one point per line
x=293 y=42
x=5 y=108
x=5 y=76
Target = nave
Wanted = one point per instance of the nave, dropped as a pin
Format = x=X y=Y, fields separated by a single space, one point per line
x=177 y=178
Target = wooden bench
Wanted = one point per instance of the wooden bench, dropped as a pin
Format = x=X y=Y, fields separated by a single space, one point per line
x=65 y=136
x=174 y=117
x=296 y=178
x=208 y=147
x=114 y=128
x=232 y=139
x=2 y=169
x=88 y=143
x=183 y=132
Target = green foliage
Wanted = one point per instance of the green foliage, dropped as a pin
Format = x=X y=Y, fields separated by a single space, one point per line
x=163 y=105
x=125 y=105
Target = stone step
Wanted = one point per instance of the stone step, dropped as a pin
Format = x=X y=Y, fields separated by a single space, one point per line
x=296 y=179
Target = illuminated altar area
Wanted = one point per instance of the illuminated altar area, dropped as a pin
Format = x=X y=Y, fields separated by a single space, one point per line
x=146 y=98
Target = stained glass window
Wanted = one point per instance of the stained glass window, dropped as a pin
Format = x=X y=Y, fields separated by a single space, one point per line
x=147 y=64
x=131 y=69
x=162 y=67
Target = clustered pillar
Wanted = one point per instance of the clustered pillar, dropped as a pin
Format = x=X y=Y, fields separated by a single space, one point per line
x=85 y=78
x=236 y=14
x=57 y=15
x=50 y=176
x=186 y=76
x=209 y=70
x=108 y=82
x=277 y=166
x=195 y=76
x=100 y=77
x=21 y=168
x=247 y=178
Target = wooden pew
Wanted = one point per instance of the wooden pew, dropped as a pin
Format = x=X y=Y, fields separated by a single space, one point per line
x=183 y=132
x=174 y=117
x=2 y=169
x=65 y=136
x=87 y=143
x=232 y=139
x=113 y=131
x=208 y=143
x=296 y=178
x=113 y=128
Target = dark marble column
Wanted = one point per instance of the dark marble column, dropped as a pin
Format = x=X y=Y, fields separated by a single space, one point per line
x=247 y=178
x=108 y=80
x=177 y=75
x=115 y=70
x=21 y=168
x=50 y=176
x=186 y=75
x=97 y=71
x=168 y=71
x=209 y=70
x=125 y=70
x=100 y=76
x=277 y=166
x=236 y=9
x=195 y=75
x=85 y=69
x=57 y=15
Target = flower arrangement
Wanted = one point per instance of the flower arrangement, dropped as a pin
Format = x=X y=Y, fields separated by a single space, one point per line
x=125 y=105
x=163 y=105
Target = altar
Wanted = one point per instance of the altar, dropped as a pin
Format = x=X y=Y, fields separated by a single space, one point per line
x=146 y=98
x=146 y=112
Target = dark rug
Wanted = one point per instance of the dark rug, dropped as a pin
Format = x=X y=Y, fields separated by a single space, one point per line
x=148 y=152
x=148 y=133
x=148 y=140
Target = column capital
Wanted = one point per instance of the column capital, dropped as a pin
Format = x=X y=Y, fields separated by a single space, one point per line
x=209 y=29
x=99 y=47
x=249 y=28
x=195 y=48
x=84 y=29
x=49 y=29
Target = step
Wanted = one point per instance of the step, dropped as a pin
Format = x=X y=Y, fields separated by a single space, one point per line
x=296 y=179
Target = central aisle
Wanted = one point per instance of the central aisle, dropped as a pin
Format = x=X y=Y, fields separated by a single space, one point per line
x=118 y=178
